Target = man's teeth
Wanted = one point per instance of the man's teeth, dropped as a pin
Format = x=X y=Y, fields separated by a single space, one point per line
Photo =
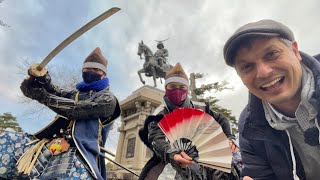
x=271 y=83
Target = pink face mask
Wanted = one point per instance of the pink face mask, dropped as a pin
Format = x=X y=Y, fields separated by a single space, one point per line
x=176 y=96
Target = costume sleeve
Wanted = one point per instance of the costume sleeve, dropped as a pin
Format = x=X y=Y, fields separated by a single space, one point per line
x=46 y=83
x=254 y=165
x=224 y=123
x=158 y=141
x=56 y=90
x=100 y=106
x=161 y=145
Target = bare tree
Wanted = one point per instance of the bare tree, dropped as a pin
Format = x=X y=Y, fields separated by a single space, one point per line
x=1 y=22
x=63 y=76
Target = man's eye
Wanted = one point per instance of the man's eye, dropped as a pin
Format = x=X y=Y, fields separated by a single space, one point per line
x=272 y=55
x=246 y=67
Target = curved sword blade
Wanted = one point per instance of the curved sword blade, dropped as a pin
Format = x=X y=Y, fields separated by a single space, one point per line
x=118 y=164
x=76 y=34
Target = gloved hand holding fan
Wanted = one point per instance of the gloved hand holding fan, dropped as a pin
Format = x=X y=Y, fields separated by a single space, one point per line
x=199 y=135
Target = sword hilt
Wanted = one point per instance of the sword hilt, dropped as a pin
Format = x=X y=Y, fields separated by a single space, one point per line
x=37 y=71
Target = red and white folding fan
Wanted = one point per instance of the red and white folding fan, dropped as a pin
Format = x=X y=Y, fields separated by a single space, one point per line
x=199 y=135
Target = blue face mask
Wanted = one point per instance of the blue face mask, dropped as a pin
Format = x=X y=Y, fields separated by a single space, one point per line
x=89 y=77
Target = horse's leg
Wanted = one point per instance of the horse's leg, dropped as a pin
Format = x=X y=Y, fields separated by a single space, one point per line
x=153 y=70
x=139 y=72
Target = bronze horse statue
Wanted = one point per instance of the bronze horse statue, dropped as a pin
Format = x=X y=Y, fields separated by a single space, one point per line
x=151 y=67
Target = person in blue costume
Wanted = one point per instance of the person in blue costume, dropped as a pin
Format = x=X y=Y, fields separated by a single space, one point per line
x=279 y=127
x=85 y=116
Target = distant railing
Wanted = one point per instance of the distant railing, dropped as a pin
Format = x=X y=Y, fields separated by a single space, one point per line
x=111 y=175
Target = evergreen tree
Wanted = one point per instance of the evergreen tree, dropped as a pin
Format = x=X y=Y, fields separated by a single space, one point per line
x=9 y=121
x=197 y=94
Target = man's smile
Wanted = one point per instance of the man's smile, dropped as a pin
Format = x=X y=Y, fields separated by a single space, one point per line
x=272 y=85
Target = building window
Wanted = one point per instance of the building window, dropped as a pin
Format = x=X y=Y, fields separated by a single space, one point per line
x=131 y=147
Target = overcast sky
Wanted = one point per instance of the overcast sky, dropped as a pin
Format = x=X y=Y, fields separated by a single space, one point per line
x=197 y=31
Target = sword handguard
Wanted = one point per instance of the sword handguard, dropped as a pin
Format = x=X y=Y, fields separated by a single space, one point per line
x=36 y=71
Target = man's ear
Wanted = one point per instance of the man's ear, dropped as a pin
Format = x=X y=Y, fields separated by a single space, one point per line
x=296 y=50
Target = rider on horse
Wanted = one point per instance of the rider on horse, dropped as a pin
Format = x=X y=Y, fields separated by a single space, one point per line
x=161 y=54
x=155 y=65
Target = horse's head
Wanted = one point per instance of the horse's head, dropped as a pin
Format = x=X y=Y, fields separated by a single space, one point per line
x=140 y=49
x=144 y=49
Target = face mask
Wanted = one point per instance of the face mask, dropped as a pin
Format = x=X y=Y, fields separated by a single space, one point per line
x=89 y=77
x=176 y=96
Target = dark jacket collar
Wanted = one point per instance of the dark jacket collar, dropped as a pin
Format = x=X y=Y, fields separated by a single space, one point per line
x=186 y=103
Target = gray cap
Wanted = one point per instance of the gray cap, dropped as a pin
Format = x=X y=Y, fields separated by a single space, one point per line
x=260 y=28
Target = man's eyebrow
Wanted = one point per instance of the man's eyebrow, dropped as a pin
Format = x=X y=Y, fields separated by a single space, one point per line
x=240 y=61
x=271 y=47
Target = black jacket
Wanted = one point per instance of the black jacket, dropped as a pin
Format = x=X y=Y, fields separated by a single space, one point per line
x=155 y=140
x=265 y=151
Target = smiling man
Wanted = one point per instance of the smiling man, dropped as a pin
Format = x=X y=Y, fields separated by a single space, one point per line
x=279 y=128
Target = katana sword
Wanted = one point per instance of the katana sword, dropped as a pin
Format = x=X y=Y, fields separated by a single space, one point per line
x=39 y=70
x=118 y=164
x=107 y=151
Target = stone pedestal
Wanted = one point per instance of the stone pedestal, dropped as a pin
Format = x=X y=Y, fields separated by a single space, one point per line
x=131 y=151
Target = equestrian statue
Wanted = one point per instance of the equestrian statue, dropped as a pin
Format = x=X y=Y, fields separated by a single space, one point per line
x=156 y=65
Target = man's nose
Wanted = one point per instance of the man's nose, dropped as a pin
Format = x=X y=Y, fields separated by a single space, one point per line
x=263 y=70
